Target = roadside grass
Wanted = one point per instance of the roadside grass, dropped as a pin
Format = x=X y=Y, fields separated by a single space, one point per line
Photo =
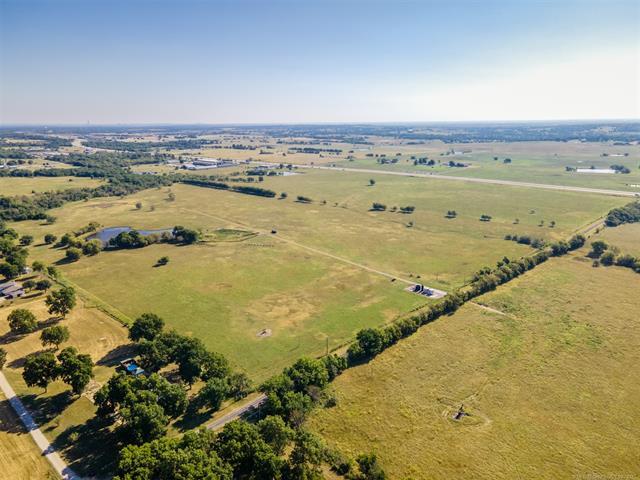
x=26 y=185
x=89 y=451
x=550 y=387
x=19 y=456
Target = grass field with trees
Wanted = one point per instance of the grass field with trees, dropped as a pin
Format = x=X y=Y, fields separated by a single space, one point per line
x=560 y=358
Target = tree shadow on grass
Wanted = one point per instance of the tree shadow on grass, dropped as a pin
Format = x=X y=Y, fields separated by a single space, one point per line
x=114 y=356
x=9 y=422
x=91 y=449
x=193 y=418
x=45 y=408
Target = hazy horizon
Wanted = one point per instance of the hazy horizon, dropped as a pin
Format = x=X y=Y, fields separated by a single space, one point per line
x=319 y=62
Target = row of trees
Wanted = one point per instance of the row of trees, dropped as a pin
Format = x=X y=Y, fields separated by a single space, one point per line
x=630 y=213
x=73 y=368
x=606 y=255
x=203 y=182
x=372 y=341
x=240 y=451
x=526 y=240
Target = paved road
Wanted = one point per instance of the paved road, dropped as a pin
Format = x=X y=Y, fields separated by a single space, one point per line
x=32 y=427
x=566 y=188
x=237 y=413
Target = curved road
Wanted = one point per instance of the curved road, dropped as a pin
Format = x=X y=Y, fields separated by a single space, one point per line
x=566 y=188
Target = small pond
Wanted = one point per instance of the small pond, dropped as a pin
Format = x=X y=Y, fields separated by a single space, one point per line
x=108 y=233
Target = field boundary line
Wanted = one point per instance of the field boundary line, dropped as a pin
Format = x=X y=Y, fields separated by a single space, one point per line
x=38 y=437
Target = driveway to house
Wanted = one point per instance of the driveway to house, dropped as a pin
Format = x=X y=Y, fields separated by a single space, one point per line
x=32 y=427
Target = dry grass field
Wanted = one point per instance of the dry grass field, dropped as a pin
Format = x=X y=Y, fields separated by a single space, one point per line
x=309 y=283
x=550 y=387
x=57 y=412
x=19 y=456
x=27 y=185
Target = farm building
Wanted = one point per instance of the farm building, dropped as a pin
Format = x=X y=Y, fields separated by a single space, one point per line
x=11 y=290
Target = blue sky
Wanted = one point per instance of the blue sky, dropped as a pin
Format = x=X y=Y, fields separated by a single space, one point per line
x=185 y=61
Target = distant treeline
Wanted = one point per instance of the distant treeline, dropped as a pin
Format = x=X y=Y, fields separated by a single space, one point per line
x=33 y=140
x=35 y=207
x=314 y=150
x=185 y=144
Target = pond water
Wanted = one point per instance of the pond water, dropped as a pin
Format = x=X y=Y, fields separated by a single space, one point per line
x=108 y=233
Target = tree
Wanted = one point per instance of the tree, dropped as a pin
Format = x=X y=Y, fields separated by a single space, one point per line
x=275 y=432
x=608 y=258
x=28 y=284
x=372 y=182
x=38 y=266
x=143 y=421
x=61 y=302
x=241 y=446
x=306 y=457
x=40 y=370
x=3 y=358
x=138 y=205
x=283 y=195
x=52 y=271
x=214 y=365
x=239 y=385
x=188 y=458
x=54 y=335
x=73 y=254
x=50 y=238
x=92 y=247
x=214 y=392
x=577 y=241
x=378 y=207
x=26 y=240
x=76 y=370
x=43 y=284
x=147 y=326
x=307 y=371
x=22 y=321
x=597 y=248
x=162 y=261
x=369 y=468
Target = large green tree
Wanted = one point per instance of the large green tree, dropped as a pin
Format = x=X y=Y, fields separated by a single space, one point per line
x=76 y=369
x=61 y=302
x=40 y=370
x=22 y=321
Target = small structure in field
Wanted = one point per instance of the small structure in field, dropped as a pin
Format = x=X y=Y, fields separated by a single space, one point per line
x=129 y=366
x=11 y=290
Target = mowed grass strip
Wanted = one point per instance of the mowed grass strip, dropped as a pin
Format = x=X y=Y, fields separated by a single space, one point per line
x=550 y=388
